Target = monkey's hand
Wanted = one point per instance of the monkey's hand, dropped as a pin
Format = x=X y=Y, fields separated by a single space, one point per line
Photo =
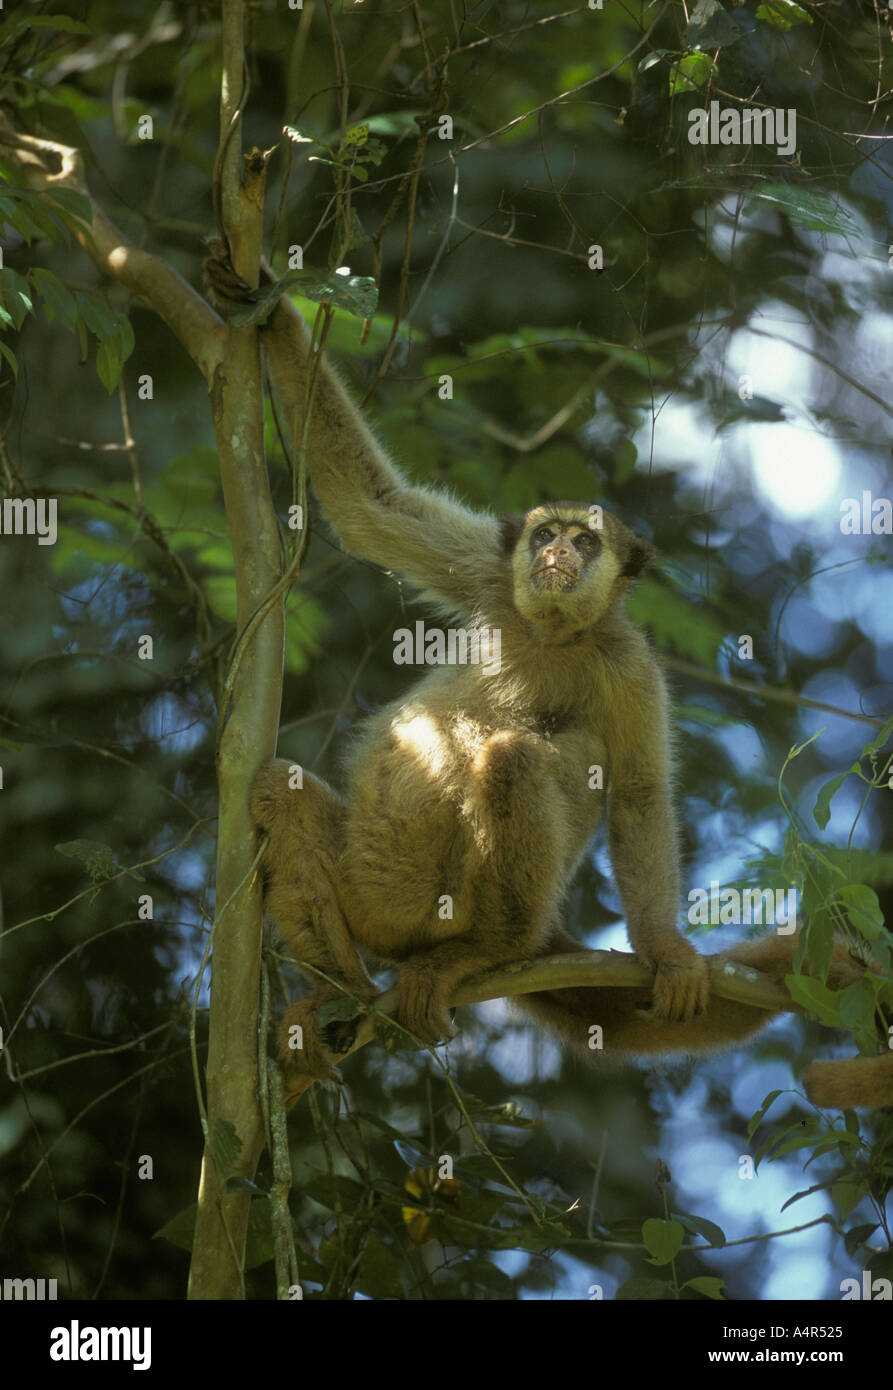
x=221 y=282
x=681 y=981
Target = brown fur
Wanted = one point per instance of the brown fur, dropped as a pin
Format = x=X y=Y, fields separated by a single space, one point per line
x=477 y=785
x=850 y=1082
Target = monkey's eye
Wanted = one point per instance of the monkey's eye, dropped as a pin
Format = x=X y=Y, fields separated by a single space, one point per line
x=543 y=535
x=585 y=541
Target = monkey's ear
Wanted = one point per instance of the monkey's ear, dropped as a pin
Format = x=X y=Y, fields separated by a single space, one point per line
x=639 y=556
x=510 y=528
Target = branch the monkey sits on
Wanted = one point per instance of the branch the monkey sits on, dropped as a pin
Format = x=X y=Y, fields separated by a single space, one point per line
x=482 y=785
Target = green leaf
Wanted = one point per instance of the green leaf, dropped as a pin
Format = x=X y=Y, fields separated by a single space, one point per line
x=691 y=73
x=115 y=347
x=822 y=809
x=358 y=234
x=878 y=743
x=848 y=1193
x=676 y=622
x=355 y=135
x=784 y=14
x=655 y=56
x=357 y=294
x=15 y=296
x=97 y=858
x=857 y=1012
x=95 y=312
x=757 y=1119
x=58 y=301
x=663 y=1239
x=9 y=356
x=817 y=998
x=711 y=26
x=109 y=363
x=45 y=220
x=334 y=1191
x=76 y=204
x=858 y=1236
x=820 y=942
x=820 y=212
x=644 y=1290
x=395 y=122
x=700 y=1226
x=706 y=1284
x=379 y=1274
x=864 y=909
x=180 y=1230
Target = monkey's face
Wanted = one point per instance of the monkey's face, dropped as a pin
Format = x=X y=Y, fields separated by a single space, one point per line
x=560 y=553
x=570 y=564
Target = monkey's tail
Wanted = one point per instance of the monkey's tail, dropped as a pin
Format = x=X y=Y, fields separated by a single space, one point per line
x=628 y=1026
x=850 y=1082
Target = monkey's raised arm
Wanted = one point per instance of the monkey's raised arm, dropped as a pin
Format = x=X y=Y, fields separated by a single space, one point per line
x=443 y=547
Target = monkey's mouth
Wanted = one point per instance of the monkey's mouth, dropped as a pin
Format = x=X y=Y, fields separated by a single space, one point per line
x=553 y=577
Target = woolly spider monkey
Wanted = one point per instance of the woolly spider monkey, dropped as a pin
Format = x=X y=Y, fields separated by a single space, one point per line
x=479 y=784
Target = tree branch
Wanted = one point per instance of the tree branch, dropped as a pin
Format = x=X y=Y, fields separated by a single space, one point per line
x=603 y=969
x=45 y=165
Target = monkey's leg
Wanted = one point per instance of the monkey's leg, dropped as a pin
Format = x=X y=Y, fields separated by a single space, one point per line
x=629 y=1024
x=301 y=875
x=852 y=1081
x=511 y=877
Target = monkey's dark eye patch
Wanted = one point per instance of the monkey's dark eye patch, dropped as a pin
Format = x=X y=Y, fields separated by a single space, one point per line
x=585 y=541
x=543 y=535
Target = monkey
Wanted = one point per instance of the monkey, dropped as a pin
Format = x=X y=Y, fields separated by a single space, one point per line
x=850 y=1082
x=481 y=788
x=221 y=283
x=305 y=896
x=481 y=785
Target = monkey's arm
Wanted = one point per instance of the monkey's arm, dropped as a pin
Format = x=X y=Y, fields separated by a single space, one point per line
x=437 y=543
x=644 y=847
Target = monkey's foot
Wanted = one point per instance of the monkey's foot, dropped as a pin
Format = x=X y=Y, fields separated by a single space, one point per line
x=681 y=991
x=270 y=793
x=421 y=1011
x=305 y=1054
